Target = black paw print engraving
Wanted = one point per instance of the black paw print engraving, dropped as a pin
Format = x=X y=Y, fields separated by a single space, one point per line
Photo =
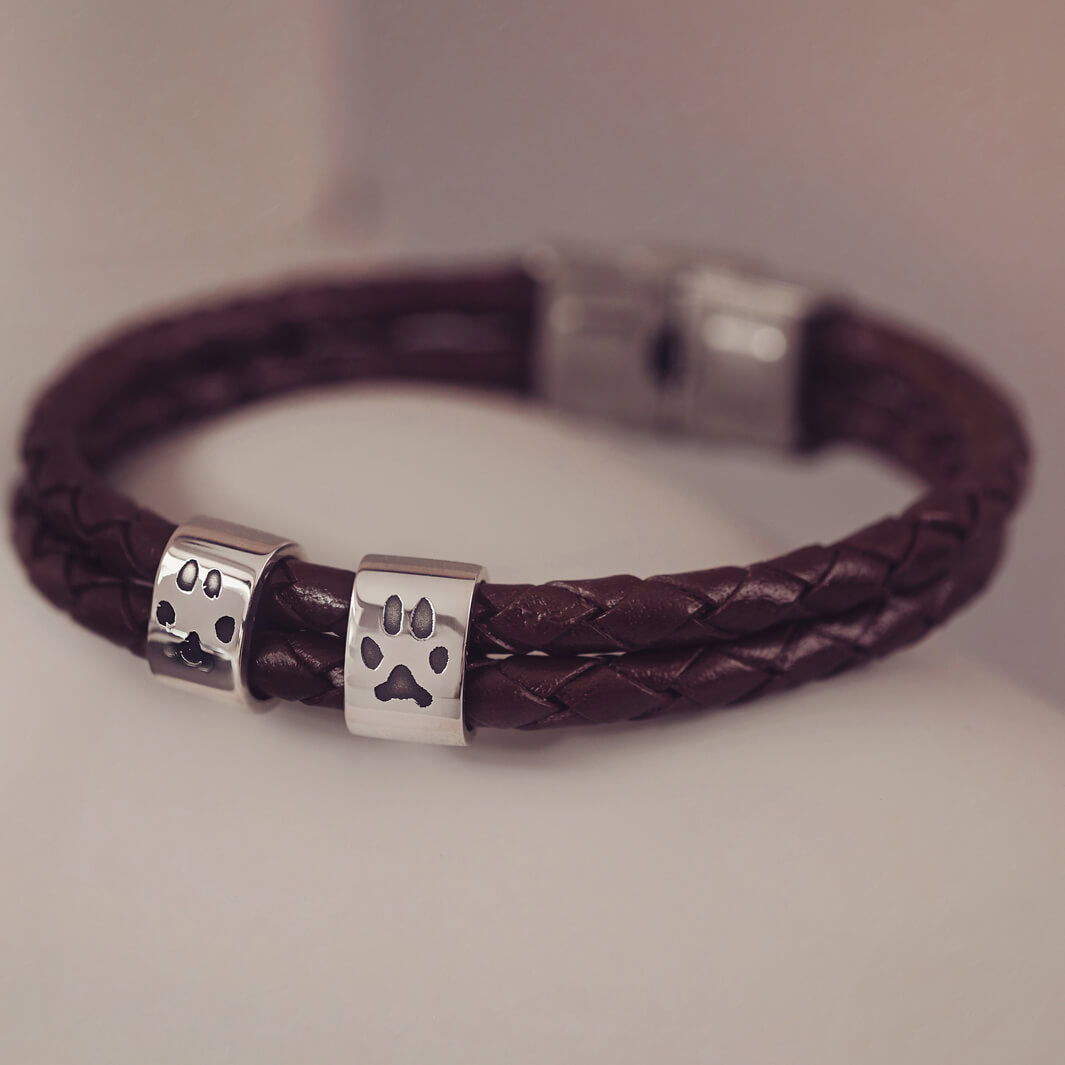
x=401 y=682
x=189 y=650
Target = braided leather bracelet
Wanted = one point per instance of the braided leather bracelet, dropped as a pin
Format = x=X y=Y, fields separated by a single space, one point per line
x=428 y=649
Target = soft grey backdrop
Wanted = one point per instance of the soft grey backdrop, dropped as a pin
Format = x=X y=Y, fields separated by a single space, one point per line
x=911 y=152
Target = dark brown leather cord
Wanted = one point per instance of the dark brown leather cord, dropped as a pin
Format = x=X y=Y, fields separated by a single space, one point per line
x=706 y=638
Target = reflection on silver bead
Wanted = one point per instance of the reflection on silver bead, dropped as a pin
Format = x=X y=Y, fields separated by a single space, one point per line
x=405 y=658
x=206 y=591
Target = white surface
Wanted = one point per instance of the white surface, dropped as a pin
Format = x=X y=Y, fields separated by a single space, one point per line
x=869 y=870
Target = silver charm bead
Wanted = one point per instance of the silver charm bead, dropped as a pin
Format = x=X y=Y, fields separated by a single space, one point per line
x=405 y=658
x=206 y=591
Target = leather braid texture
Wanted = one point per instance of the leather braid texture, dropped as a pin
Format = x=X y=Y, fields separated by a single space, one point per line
x=608 y=649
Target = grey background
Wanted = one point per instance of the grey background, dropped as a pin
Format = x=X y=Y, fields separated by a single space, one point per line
x=910 y=153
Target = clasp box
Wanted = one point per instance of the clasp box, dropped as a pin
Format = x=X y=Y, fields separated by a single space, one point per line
x=671 y=341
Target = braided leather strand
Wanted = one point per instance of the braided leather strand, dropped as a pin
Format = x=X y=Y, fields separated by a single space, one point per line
x=705 y=638
x=542 y=691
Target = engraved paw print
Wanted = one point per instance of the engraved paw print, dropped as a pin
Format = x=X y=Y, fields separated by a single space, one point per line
x=195 y=620
x=401 y=682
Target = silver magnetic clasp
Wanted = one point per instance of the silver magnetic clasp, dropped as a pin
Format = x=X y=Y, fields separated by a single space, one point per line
x=405 y=659
x=672 y=342
x=206 y=592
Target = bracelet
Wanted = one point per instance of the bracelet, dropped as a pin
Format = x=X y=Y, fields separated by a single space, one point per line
x=421 y=649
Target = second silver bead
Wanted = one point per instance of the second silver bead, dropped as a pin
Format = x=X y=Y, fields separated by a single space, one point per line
x=405 y=659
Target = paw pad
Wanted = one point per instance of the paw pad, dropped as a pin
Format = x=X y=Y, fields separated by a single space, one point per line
x=401 y=682
x=405 y=655
x=187 y=621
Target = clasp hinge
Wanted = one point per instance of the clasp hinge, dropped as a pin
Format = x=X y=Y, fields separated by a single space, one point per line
x=672 y=342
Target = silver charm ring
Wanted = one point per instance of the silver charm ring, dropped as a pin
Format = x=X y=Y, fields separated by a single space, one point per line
x=203 y=606
x=405 y=657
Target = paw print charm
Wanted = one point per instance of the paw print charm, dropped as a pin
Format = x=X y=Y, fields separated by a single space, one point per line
x=206 y=588
x=421 y=623
x=406 y=652
x=188 y=589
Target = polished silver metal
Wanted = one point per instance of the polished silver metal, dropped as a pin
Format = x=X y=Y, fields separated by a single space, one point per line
x=206 y=591
x=671 y=341
x=405 y=659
